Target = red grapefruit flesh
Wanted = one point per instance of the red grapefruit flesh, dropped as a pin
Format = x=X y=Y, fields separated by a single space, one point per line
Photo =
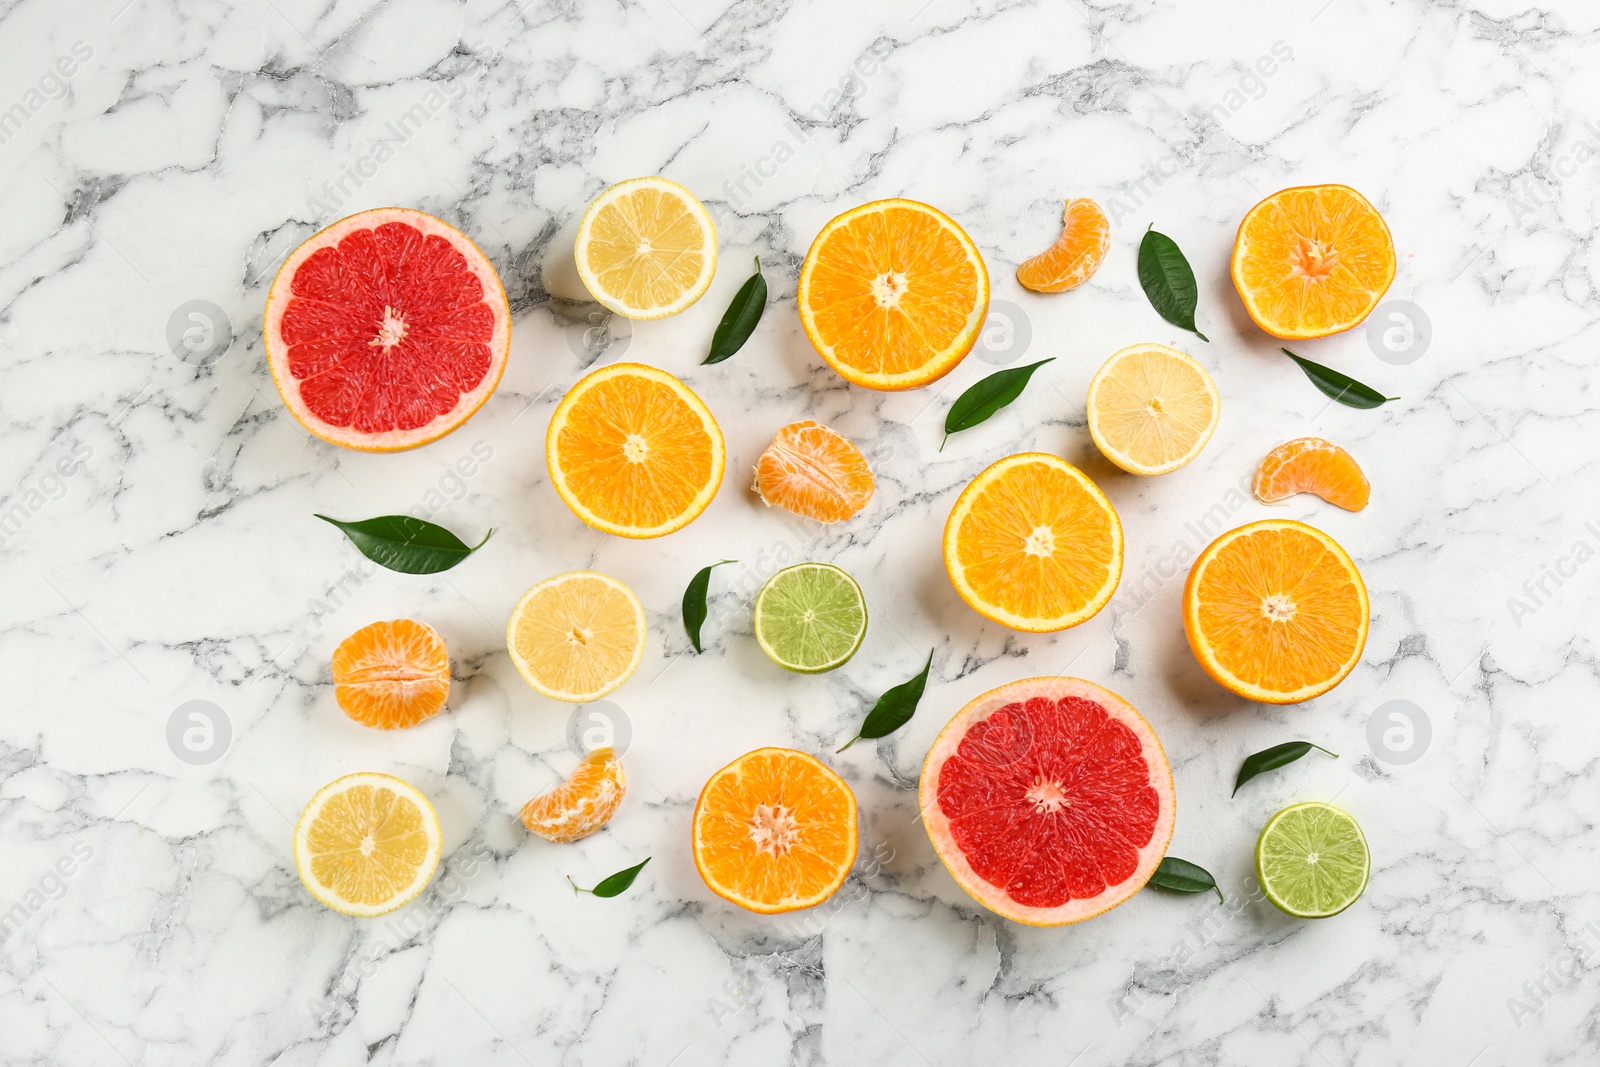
x=386 y=330
x=1050 y=800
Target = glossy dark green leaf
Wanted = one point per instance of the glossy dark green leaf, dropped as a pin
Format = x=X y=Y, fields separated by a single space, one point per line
x=1341 y=387
x=986 y=397
x=894 y=709
x=1168 y=281
x=739 y=321
x=613 y=885
x=694 y=603
x=1184 y=877
x=402 y=543
x=1270 y=759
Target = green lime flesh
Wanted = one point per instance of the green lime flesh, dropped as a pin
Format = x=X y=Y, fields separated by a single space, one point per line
x=810 y=617
x=1312 y=860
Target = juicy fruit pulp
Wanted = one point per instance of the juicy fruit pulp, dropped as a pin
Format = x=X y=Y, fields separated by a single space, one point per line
x=577 y=636
x=1312 y=860
x=1050 y=800
x=1033 y=544
x=810 y=617
x=634 y=452
x=1152 y=409
x=892 y=294
x=1276 y=611
x=582 y=804
x=1077 y=253
x=646 y=248
x=367 y=843
x=813 y=471
x=774 y=831
x=386 y=330
x=1312 y=465
x=1312 y=261
x=392 y=674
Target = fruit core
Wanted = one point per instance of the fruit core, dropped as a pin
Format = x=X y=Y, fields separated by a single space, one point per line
x=773 y=828
x=889 y=287
x=1278 y=608
x=635 y=448
x=391 y=331
x=1041 y=542
x=1314 y=259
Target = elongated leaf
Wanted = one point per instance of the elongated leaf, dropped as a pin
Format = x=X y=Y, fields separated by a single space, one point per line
x=894 y=709
x=1270 y=759
x=739 y=321
x=1341 y=387
x=1184 y=877
x=694 y=603
x=612 y=885
x=986 y=397
x=1168 y=281
x=410 y=546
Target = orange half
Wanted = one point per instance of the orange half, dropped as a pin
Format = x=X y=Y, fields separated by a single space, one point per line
x=1312 y=465
x=392 y=674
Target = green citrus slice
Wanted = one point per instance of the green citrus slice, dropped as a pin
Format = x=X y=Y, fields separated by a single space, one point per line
x=1312 y=860
x=810 y=617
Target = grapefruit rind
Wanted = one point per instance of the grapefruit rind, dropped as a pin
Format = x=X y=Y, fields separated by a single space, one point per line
x=994 y=897
x=278 y=296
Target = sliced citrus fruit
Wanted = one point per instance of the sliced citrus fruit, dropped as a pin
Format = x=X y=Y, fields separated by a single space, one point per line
x=1312 y=860
x=392 y=674
x=582 y=804
x=1033 y=544
x=367 y=843
x=892 y=294
x=386 y=330
x=1049 y=800
x=1077 y=253
x=577 y=636
x=810 y=617
x=1312 y=261
x=775 y=831
x=1152 y=408
x=1276 y=611
x=646 y=248
x=813 y=471
x=1312 y=465
x=634 y=452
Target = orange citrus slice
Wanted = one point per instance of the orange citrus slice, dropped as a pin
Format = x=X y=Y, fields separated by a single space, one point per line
x=1312 y=465
x=1077 y=253
x=646 y=248
x=577 y=636
x=1033 y=544
x=367 y=843
x=633 y=451
x=892 y=294
x=1152 y=409
x=775 y=831
x=392 y=674
x=582 y=804
x=1312 y=261
x=1276 y=611
x=813 y=471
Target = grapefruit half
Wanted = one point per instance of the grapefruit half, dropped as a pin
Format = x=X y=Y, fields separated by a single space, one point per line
x=1050 y=800
x=386 y=330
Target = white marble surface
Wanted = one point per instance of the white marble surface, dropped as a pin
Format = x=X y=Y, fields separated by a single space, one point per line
x=193 y=143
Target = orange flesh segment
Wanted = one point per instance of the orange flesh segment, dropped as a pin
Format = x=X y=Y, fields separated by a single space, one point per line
x=1077 y=253
x=582 y=804
x=1312 y=465
x=392 y=674
x=813 y=471
x=367 y=844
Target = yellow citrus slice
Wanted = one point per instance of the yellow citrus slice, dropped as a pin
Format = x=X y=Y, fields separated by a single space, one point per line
x=892 y=294
x=634 y=452
x=1152 y=408
x=577 y=636
x=582 y=804
x=1033 y=544
x=1276 y=611
x=646 y=248
x=367 y=844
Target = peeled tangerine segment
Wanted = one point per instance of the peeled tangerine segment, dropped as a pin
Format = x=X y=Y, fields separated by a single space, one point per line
x=582 y=804
x=1312 y=465
x=1077 y=253
x=813 y=471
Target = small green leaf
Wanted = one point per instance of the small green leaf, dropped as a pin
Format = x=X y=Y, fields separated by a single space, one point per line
x=613 y=885
x=410 y=546
x=694 y=603
x=894 y=709
x=1270 y=759
x=1341 y=387
x=1184 y=877
x=1168 y=281
x=986 y=397
x=739 y=321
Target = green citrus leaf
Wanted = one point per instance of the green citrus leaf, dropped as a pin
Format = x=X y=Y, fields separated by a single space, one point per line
x=1168 y=281
x=402 y=543
x=739 y=321
x=986 y=397
x=894 y=709
x=1341 y=387
x=694 y=603
x=1184 y=877
x=614 y=884
x=1270 y=759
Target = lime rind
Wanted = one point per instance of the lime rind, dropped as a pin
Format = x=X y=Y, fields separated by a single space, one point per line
x=810 y=618
x=1312 y=860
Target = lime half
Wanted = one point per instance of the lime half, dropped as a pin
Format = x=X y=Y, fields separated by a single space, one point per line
x=1312 y=860
x=810 y=617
